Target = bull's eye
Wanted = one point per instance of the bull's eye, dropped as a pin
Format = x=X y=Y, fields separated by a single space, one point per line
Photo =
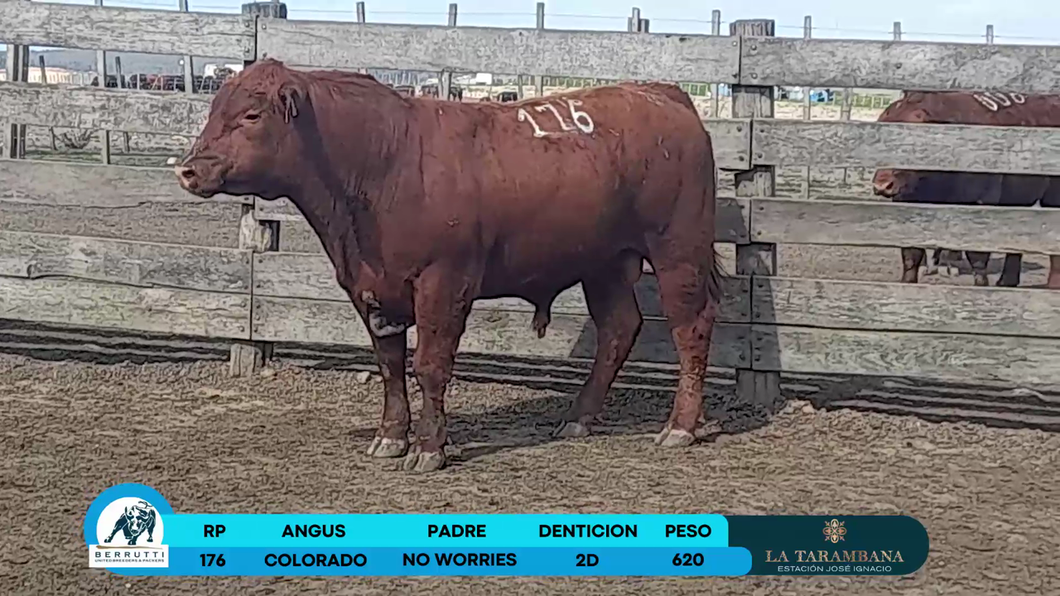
x=251 y=117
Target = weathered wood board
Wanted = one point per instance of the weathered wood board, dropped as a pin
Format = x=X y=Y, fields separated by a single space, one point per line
x=906 y=307
x=882 y=223
x=731 y=140
x=127 y=29
x=603 y=54
x=731 y=225
x=899 y=65
x=109 y=109
x=159 y=310
x=1021 y=360
x=32 y=255
x=59 y=184
x=965 y=148
x=488 y=331
x=307 y=275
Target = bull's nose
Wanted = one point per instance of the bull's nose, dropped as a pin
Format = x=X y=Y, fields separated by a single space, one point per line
x=883 y=187
x=185 y=175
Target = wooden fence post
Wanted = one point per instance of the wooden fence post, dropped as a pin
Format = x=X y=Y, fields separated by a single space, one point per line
x=362 y=18
x=101 y=73
x=715 y=29
x=256 y=235
x=121 y=85
x=189 y=65
x=44 y=81
x=445 y=79
x=14 y=134
x=633 y=22
x=807 y=107
x=539 y=81
x=761 y=389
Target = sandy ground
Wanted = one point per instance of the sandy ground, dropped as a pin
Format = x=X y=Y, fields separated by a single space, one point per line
x=292 y=440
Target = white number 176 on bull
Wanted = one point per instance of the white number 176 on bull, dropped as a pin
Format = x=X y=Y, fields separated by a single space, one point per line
x=581 y=119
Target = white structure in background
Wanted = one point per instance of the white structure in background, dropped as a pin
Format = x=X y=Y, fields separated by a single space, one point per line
x=210 y=69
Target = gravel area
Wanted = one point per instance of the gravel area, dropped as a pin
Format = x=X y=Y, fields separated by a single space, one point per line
x=291 y=440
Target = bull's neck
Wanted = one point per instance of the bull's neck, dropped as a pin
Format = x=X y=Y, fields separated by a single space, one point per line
x=351 y=177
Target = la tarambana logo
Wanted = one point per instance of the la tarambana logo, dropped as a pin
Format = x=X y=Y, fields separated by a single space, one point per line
x=834 y=531
x=129 y=533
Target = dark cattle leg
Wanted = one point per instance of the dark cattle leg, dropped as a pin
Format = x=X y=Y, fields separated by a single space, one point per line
x=912 y=258
x=391 y=439
x=931 y=264
x=1054 y=273
x=1010 y=272
x=443 y=298
x=613 y=306
x=683 y=267
x=979 y=261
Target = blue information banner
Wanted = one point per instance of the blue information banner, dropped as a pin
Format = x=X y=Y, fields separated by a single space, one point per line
x=519 y=561
x=130 y=529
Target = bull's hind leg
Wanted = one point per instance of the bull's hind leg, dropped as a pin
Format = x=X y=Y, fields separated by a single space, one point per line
x=979 y=261
x=684 y=280
x=1010 y=271
x=613 y=306
x=912 y=258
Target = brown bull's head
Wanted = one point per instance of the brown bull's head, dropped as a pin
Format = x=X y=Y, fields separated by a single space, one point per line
x=892 y=183
x=250 y=140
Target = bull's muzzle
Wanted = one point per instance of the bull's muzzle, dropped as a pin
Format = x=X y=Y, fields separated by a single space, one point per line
x=885 y=185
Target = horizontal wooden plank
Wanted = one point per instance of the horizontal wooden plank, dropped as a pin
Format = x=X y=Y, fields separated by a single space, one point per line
x=32 y=255
x=110 y=109
x=905 y=307
x=882 y=223
x=311 y=276
x=597 y=54
x=91 y=304
x=732 y=223
x=488 y=331
x=59 y=184
x=1030 y=150
x=900 y=65
x=731 y=140
x=1019 y=360
x=127 y=29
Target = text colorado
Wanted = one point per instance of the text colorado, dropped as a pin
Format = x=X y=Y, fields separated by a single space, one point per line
x=315 y=560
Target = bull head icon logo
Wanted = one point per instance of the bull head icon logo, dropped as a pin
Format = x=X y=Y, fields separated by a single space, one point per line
x=136 y=520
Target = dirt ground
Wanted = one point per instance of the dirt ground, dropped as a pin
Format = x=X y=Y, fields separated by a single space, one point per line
x=292 y=440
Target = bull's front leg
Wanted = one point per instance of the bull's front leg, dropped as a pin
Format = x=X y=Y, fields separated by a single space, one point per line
x=443 y=301
x=390 y=345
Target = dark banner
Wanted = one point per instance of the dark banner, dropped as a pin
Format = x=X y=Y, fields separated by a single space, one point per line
x=830 y=545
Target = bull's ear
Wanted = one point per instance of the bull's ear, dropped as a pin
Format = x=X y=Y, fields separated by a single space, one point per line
x=289 y=96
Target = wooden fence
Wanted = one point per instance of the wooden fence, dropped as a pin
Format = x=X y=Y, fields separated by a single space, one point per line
x=255 y=295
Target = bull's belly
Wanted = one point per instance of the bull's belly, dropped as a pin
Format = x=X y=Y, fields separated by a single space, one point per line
x=539 y=275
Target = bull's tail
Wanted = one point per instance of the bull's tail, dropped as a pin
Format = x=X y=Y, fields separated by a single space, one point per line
x=714 y=279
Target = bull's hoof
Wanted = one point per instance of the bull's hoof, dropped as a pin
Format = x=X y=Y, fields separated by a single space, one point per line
x=383 y=447
x=572 y=430
x=949 y=271
x=150 y=539
x=928 y=270
x=419 y=462
x=674 y=437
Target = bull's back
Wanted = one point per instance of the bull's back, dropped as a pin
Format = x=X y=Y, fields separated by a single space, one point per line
x=574 y=177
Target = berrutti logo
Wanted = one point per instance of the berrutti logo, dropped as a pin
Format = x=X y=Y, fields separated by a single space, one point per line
x=128 y=531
